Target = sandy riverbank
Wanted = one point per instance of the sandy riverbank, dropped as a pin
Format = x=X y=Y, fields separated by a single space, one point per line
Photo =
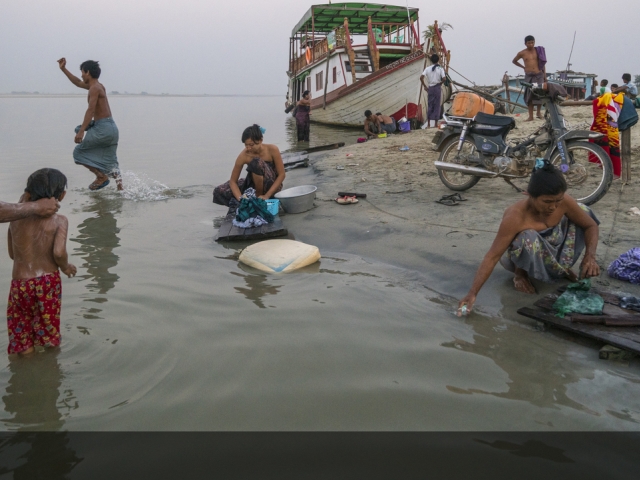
x=400 y=223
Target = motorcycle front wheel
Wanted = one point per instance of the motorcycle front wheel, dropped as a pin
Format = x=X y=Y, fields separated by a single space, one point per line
x=590 y=171
x=454 y=180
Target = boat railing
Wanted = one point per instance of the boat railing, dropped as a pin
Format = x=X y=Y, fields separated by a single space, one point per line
x=319 y=50
x=391 y=33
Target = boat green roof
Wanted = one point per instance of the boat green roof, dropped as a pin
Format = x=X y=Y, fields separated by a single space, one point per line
x=325 y=18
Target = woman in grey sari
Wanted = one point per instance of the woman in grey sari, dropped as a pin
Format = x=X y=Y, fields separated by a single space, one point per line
x=541 y=237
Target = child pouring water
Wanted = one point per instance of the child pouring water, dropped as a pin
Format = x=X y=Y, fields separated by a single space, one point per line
x=38 y=248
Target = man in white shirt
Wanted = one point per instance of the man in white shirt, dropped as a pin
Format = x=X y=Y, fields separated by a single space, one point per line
x=435 y=77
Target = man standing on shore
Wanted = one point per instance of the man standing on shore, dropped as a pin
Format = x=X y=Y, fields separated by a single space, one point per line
x=435 y=76
x=97 y=149
x=535 y=71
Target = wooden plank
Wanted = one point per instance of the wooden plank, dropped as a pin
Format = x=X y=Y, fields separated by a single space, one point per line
x=625 y=154
x=225 y=228
x=626 y=338
x=228 y=232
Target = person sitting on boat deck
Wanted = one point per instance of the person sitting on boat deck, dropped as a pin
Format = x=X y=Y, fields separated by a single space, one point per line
x=535 y=71
x=371 y=124
x=541 y=237
x=435 y=76
x=387 y=123
x=265 y=171
x=303 y=120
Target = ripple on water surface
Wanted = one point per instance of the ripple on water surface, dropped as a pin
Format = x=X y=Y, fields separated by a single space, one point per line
x=343 y=344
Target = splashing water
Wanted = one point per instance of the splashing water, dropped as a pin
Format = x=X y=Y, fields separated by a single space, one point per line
x=139 y=187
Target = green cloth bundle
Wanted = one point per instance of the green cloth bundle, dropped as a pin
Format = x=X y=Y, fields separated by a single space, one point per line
x=577 y=299
x=252 y=207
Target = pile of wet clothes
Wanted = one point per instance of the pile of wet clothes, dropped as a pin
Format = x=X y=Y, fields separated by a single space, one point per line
x=578 y=299
x=626 y=267
x=252 y=211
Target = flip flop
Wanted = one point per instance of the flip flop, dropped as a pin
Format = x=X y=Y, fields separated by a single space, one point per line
x=456 y=197
x=449 y=202
x=346 y=200
x=98 y=187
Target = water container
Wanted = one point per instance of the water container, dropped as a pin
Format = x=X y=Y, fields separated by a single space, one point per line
x=273 y=205
x=467 y=105
x=404 y=126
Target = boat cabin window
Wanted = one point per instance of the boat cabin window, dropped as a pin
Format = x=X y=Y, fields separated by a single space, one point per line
x=335 y=74
x=319 y=82
x=360 y=66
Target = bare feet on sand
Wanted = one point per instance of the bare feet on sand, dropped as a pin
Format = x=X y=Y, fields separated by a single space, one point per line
x=522 y=283
x=530 y=119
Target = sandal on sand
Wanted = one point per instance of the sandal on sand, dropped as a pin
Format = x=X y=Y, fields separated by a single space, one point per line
x=94 y=186
x=346 y=200
x=456 y=197
x=449 y=202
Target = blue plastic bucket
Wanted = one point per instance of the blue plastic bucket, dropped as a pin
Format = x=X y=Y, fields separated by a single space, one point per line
x=273 y=206
x=404 y=126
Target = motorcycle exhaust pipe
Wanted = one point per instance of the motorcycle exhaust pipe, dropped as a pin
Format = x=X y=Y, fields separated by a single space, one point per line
x=452 y=167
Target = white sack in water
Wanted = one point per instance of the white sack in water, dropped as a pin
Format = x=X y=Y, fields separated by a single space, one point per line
x=275 y=256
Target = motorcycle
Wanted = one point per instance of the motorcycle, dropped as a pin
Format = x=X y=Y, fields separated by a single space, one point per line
x=475 y=148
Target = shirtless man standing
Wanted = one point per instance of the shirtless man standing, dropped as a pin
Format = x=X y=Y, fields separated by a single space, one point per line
x=96 y=150
x=534 y=59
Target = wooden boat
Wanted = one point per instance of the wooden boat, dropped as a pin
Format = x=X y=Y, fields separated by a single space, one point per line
x=354 y=57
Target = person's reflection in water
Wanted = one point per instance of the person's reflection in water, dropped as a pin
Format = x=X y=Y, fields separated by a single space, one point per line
x=98 y=238
x=31 y=400
x=536 y=375
x=257 y=288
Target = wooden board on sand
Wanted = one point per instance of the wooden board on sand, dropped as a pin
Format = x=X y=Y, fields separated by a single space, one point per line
x=611 y=328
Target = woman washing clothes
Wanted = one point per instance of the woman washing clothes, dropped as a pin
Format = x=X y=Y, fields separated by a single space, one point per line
x=302 y=116
x=541 y=237
x=265 y=171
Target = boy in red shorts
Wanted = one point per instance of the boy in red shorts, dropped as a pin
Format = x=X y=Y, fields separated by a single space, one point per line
x=38 y=248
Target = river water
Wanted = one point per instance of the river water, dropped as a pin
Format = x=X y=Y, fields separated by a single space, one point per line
x=163 y=329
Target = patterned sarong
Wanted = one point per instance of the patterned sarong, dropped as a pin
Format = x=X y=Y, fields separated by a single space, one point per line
x=538 y=78
x=222 y=194
x=303 y=122
x=434 y=102
x=606 y=110
x=547 y=255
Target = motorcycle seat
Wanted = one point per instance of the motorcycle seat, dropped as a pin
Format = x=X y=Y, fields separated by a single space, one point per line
x=494 y=120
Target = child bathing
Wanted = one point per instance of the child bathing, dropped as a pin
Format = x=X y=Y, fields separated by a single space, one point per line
x=38 y=248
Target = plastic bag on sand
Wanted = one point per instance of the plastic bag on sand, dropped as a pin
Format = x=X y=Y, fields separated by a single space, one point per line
x=577 y=299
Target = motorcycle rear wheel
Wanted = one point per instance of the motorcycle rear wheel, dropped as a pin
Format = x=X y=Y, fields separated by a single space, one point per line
x=454 y=180
x=587 y=181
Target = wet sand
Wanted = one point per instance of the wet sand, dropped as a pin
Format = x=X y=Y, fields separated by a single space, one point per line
x=400 y=223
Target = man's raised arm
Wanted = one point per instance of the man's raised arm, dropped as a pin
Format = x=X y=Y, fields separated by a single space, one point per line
x=62 y=63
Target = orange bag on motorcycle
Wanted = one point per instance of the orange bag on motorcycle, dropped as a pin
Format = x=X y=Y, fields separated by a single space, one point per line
x=467 y=105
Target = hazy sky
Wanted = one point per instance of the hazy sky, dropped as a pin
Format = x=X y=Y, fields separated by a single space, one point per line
x=241 y=46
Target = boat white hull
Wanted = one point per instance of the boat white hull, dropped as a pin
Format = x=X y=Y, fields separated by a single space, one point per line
x=386 y=93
